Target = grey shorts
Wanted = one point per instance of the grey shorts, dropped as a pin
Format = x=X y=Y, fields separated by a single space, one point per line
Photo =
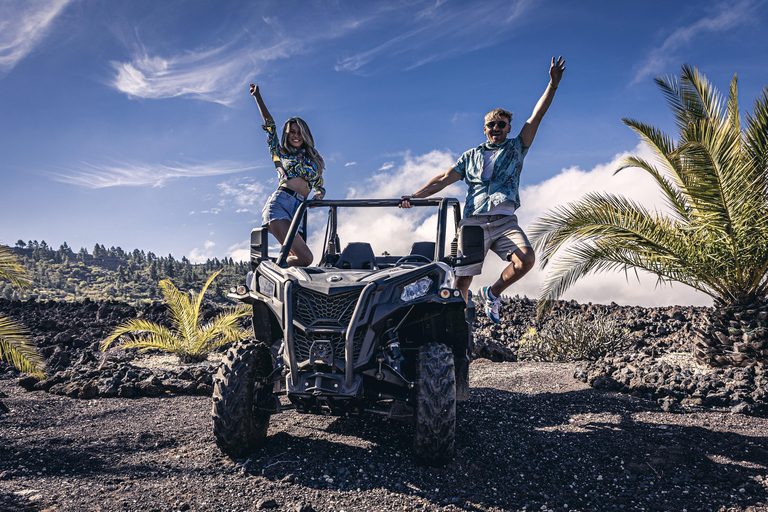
x=281 y=204
x=502 y=235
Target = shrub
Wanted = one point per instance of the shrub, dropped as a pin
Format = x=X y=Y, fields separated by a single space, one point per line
x=573 y=337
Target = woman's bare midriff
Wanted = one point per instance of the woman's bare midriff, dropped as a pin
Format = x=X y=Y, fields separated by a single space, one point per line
x=299 y=185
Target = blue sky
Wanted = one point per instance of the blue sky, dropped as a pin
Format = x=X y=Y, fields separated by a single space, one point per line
x=130 y=124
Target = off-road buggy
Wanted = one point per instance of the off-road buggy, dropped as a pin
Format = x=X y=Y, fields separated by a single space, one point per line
x=356 y=334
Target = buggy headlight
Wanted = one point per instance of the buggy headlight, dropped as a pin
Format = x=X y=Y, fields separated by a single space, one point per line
x=266 y=287
x=415 y=290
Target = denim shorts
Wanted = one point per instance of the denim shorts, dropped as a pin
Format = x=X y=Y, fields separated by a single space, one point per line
x=502 y=236
x=280 y=205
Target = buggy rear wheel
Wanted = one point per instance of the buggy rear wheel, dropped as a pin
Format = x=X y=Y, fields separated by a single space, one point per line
x=434 y=439
x=239 y=390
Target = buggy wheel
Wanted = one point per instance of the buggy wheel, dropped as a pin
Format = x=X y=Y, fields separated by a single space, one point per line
x=239 y=426
x=435 y=433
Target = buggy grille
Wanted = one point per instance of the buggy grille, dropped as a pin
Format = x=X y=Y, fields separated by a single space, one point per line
x=318 y=310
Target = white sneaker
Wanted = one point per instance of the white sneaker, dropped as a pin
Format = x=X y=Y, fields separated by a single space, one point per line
x=491 y=305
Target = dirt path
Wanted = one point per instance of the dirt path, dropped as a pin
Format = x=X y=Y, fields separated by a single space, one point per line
x=530 y=438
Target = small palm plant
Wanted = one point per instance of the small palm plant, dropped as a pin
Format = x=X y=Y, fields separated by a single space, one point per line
x=186 y=338
x=15 y=346
x=715 y=181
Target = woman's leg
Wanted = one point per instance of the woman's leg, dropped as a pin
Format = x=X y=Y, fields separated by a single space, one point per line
x=300 y=255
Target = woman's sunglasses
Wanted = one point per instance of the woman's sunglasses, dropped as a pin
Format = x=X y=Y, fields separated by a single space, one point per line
x=491 y=124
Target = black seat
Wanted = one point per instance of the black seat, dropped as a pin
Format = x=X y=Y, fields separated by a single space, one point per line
x=423 y=249
x=357 y=255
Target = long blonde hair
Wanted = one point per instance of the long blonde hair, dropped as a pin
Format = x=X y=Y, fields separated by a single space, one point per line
x=308 y=145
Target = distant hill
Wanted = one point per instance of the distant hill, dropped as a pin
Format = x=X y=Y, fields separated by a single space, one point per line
x=133 y=277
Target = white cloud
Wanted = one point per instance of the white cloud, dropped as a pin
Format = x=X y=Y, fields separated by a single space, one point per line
x=132 y=174
x=23 y=24
x=240 y=251
x=395 y=230
x=387 y=229
x=198 y=255
x=246 y=193
x=387 y=166
x=348 y=164
x=729 y=15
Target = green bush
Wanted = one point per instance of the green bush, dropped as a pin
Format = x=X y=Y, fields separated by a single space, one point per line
x=573 y=337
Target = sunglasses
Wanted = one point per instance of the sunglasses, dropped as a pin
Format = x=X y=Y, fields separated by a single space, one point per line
x=492 y=124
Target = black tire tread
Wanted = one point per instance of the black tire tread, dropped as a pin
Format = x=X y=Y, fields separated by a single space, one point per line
x=239 y=428
x=435 y=431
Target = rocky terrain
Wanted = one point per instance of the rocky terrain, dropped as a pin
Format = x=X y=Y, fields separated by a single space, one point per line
x=644 y=429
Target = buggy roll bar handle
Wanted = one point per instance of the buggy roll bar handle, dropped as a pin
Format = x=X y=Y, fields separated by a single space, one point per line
x=443 y=202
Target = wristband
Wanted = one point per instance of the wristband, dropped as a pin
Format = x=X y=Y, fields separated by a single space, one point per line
x=554 y=87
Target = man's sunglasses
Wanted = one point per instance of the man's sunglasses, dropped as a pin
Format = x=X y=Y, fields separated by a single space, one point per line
x=492 y=124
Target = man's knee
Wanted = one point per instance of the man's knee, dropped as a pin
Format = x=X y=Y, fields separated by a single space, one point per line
x=523 y=258
x=528 y=260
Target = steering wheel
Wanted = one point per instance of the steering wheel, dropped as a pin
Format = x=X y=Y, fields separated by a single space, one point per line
x=413 y=257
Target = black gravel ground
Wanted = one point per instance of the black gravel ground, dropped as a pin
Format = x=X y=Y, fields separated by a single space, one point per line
x=531 y=437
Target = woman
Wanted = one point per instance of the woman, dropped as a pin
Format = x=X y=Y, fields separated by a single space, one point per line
x=300 y=169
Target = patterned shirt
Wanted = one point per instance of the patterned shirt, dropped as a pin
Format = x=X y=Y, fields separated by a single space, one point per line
x=504 y=185
x=290 y=165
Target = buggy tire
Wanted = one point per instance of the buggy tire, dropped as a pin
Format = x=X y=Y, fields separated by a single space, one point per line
x=239 y=426
x=435 y=431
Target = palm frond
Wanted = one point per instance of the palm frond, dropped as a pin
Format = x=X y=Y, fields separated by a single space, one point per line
x=734 y=119
x=672 y=195
x=184 y=316
x=16 y=348
x=137 y=327
x=11 y=268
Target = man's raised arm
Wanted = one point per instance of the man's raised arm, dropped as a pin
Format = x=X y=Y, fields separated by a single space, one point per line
x=530 y=127
x=434 y=186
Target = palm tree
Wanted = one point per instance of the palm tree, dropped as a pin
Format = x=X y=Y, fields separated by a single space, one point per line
x=15 y=346
x=714 y=179
x=186 y=338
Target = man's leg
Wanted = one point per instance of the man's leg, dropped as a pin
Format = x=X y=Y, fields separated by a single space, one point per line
x=462 y=283
x=521 y=261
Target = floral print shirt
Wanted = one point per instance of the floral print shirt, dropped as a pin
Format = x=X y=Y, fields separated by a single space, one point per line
x=291 y=165
x=504 y=185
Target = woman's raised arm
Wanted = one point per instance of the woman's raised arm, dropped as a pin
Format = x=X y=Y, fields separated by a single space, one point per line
x=265 y=115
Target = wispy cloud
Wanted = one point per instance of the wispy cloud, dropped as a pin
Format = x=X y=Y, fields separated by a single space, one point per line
x=217 y=75
x=437 y=31
x=23 y=24
x=134 y=175
x=246 y=194
x=728 y=16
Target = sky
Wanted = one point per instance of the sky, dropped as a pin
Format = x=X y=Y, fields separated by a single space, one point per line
x=130 y=123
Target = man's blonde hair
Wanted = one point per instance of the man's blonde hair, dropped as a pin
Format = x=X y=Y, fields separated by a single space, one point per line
x=498 y=112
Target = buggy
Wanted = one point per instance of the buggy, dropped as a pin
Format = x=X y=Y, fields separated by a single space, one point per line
x=356 y=334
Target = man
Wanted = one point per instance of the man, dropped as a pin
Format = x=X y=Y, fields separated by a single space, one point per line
x=492 y=174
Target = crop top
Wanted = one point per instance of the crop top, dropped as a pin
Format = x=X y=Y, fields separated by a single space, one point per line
x=291 y=165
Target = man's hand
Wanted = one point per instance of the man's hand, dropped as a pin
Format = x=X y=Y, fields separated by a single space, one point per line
x=255 y=88
x=318 y=196
x=405 y=202
x=556 y=70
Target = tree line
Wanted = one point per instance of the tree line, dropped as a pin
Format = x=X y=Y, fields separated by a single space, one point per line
x=112 y=273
